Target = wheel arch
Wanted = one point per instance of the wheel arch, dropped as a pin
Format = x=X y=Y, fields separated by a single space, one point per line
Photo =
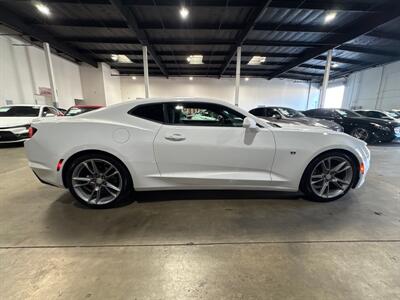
x=345 y=151
x=69 y=161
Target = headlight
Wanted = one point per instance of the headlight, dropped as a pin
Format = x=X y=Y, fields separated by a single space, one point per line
x=380 y=127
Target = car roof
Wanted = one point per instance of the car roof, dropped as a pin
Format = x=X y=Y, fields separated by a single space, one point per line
x=29 y=105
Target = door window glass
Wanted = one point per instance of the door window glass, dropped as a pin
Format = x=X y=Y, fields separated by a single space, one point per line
x=153 y=112
x=203 y=114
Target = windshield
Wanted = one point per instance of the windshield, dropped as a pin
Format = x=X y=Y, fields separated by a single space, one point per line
x=73 y=111
x=347 y=113
x=19 y=111
x=289 y=113
x=393 y=114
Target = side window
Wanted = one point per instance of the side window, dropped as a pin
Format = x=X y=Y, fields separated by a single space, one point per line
x=270 y=112
x=46 y=111
x=259 y=112
x=203 y=114
x=153 y=112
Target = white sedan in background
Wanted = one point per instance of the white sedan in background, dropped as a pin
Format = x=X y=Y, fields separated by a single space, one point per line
x=15 y=120
x=158 y=144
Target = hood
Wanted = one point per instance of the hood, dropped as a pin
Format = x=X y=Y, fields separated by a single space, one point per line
x=295 y=126
x=308 y=121
x=15 y=121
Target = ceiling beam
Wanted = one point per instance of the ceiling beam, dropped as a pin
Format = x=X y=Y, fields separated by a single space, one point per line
x=132 y=23
x=368 y=50
x=341 y=60
x=307 y=4
x=187 y=53
x=356 y=28
x=254 y=16
x=10 y=19
x=385 y=35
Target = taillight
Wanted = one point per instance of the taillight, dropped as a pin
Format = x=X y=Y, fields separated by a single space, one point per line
x=31 y=131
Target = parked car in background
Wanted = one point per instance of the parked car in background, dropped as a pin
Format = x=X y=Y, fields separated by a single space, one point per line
x=370 y=130
x=387 y=115
x=62 y=110
x=80 y=109
x=288 y=115
x=15 y=120
x=154 y=144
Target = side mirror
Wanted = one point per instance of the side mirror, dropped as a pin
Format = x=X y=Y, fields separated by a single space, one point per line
x=277 y=116
x=250 y=123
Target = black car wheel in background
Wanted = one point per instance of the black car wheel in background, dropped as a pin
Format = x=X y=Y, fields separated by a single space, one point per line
x=370 y=130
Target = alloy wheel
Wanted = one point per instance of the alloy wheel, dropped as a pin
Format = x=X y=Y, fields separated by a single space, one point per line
x=331 y=177
x=96 y=181
x=360 y=133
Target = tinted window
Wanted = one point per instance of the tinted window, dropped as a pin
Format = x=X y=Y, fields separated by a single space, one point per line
x=73 y=111
x=347 y=113
x=19 y=111
x=289 y=112
x=203 y=114
x=153 y=112
x=375 y=114
x=270 y=112
x=259 y=112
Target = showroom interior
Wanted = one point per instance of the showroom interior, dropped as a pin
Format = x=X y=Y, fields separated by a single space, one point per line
x=304 y=55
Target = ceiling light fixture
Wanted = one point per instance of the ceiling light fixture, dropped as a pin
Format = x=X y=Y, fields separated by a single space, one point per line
x=120 y=58
x=246 y=79
x=195 y=59
x=43 y=8
x=184 y=12
x=133 y=77
x=257 y=60
x=330 y=16
x=191 y=78
x=335 y=65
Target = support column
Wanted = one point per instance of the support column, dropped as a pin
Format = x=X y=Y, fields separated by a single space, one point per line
x=50 y=71
x=325 y=82
x=145 y=72
x=238 y=62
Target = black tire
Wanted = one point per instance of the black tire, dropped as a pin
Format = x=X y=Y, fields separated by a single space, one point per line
x=306 y=187
x=368 y=138
x=126 y=181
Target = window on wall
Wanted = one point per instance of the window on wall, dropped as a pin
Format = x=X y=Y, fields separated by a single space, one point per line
x=334 y=97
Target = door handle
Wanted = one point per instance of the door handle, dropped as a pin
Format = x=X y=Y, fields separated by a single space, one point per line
x=175 y=137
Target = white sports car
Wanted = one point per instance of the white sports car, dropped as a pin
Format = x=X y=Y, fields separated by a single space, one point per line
x=15 y=120
x=154 y=144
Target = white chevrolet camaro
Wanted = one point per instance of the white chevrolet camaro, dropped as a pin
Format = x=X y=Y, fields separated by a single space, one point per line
x=190 y=143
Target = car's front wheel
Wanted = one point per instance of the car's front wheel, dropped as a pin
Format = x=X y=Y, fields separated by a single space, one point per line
x=329 y=177
x=98 y=180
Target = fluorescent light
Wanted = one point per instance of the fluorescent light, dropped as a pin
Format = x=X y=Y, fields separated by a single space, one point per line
x=330 y=16
x=43 y=8
x=184 y=12
x=191 y=78
x=257 y=60
x=120 y=58
x=133 y=77
x=335 y=65
x=246 y=79
x=195 y=59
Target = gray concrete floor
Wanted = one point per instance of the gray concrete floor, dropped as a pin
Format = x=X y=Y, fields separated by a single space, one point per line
x=200 y=245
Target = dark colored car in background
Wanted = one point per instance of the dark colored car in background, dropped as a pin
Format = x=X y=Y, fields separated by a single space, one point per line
x=387 y=115
x=80 y=109
x=370 y=130
x=288 y=115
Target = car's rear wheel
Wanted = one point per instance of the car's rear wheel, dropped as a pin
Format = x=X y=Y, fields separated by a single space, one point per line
x=361 y=133
x=98 y=180
x=329 y=177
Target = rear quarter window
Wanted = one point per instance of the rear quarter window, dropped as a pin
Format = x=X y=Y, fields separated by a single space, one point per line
x=152 y=112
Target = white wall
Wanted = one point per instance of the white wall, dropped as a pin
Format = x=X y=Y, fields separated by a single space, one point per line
x=92 y=85
x=374 y=88
x=23 y=70
x=253 y=93
x=112 y=85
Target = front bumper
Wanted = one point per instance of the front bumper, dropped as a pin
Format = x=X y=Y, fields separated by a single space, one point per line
x=13 y=135
x=365 y=156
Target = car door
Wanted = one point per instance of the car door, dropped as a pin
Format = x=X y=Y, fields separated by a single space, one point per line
x=204 y=144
